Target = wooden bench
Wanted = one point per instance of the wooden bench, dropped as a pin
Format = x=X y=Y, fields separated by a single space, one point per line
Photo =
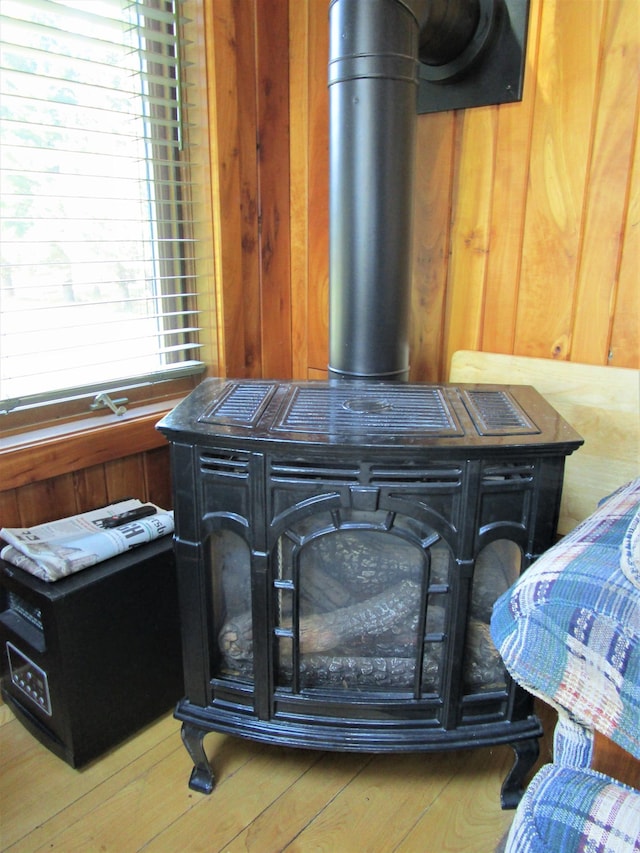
x=601 y=403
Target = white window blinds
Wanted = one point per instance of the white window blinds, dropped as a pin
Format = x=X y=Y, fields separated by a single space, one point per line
x=98 y=279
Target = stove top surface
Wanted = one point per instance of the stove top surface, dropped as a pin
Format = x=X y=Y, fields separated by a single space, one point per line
x=368 y=408
x=374 y=413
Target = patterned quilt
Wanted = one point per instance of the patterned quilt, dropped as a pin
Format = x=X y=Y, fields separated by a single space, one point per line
x=575 y=811
x=569 y=630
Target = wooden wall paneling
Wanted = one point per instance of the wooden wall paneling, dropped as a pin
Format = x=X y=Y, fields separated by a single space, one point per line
x=513 y=149
x=431 y=234
x=90 y=486
x=249 y=361
x=157 y=476
x=272 y=26
x=299 y=183
x=146 y=476
x=47 y=500
x=561 y=147
x=532 y=293
x=470 y=228
x=125 y=478
x=9 y=509
x=309 y=165
x=318 y=225
x=49 y=455
x=625 y=333
x=231 y=43
x=608 y=188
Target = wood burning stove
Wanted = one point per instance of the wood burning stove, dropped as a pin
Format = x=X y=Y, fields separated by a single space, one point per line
x=340 y=545
x=339 y=548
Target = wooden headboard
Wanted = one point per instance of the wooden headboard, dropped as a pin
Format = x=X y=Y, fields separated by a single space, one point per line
x=601 y=403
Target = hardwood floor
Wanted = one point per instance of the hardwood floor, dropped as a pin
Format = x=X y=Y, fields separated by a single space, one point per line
x=267 y=798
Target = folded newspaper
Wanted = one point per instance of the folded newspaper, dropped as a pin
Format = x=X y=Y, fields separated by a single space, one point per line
x=60 y=548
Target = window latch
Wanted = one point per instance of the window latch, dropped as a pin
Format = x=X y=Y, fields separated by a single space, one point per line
x=104 y=401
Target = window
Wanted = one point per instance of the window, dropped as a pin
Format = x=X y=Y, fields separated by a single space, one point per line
x=99 y=259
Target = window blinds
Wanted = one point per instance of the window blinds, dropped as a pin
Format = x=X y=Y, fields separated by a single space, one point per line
x=98 y=271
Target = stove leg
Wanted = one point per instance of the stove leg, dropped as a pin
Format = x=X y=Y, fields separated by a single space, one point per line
x=526 y=755
x=202 y=775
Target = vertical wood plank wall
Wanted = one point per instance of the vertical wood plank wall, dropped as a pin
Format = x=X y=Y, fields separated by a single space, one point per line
x=143 y=475
x=526 y=234
x=525 y=215
x=248 y=67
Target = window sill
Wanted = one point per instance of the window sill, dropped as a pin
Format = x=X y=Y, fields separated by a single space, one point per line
x=55 y=450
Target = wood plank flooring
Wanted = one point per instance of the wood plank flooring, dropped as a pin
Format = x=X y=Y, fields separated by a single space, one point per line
x=267 y=799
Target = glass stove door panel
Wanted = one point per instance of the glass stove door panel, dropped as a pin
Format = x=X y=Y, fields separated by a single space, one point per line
x=230 y=562
x=496 y=568
x=436 y=628
x=355 y=610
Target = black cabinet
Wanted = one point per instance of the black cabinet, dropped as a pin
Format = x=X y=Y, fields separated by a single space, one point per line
x=90 y=659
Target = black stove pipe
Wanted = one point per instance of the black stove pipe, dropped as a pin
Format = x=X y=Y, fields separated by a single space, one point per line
x=375 y=50
x=373 y=81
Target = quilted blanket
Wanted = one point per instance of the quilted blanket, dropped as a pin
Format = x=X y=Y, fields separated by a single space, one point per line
x=575 y=811
x=569 y=630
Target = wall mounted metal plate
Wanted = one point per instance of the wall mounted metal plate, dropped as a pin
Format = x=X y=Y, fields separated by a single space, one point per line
x=490 y=69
